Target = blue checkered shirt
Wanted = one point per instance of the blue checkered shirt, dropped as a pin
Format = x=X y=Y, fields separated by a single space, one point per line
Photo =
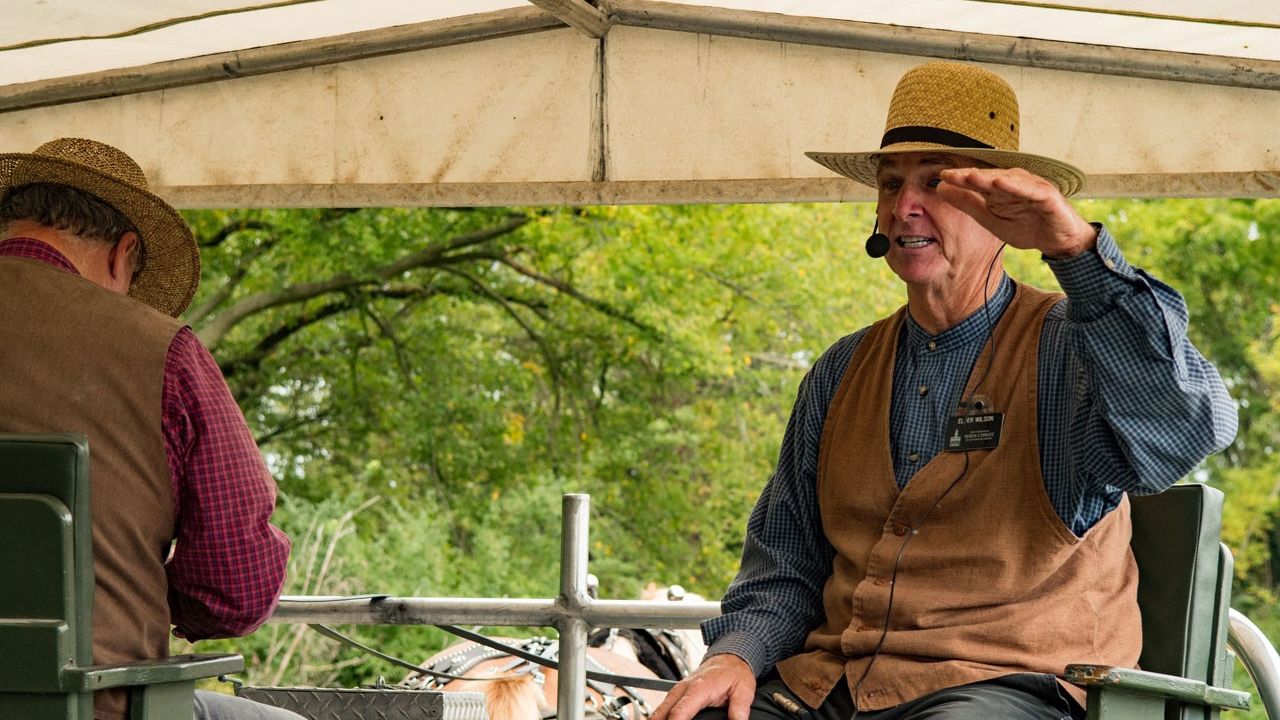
x=1126 y=404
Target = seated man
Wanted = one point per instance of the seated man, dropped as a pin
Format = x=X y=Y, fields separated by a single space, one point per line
x=947 y=527
x=93 y=271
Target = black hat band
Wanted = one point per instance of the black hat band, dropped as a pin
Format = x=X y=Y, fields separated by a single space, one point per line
x=919 y=133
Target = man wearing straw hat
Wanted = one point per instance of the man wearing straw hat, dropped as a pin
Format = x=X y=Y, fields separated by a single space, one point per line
x=947 y=526
x=94 y=270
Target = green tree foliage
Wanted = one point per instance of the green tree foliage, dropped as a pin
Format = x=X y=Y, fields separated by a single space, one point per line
x=426 y=383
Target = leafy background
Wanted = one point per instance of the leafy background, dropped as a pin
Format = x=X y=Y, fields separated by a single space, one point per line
x=426 y=384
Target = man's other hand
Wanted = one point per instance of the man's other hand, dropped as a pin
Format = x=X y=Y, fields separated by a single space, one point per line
x=721 y=680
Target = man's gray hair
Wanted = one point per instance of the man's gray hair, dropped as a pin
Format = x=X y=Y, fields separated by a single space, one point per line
x=65 y=208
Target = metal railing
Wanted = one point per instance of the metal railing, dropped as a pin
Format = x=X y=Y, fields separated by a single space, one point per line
x=1259 y=658
x=573 y=613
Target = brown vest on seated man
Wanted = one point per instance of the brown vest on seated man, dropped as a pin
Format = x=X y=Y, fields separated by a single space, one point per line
x=994 y=583
x=133 y=502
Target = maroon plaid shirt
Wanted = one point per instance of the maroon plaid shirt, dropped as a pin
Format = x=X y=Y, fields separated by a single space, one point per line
x=228 y=564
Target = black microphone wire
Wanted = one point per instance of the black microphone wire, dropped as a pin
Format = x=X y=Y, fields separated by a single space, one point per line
x=915 y=529
x=986 y=311
x=893 y=584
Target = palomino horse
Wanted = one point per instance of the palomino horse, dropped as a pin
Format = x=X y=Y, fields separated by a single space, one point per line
x=516 y=689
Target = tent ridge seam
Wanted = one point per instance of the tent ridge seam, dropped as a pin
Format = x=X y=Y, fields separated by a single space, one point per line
x=949 y=44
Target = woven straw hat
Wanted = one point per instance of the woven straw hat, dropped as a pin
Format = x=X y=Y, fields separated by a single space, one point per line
x=172 y=269
x=955 y=108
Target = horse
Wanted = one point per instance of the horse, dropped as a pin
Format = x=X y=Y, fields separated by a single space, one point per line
x=671 y=654
x=516 y=689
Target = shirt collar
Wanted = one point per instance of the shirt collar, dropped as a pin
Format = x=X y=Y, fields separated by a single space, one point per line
x=35 y=250
x=970 y=330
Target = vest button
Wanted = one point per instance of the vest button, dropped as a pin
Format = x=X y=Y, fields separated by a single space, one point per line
x=882 y=581
x=899 y=529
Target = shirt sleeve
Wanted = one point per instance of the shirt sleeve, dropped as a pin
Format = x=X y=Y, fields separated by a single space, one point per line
x=776 y=598
x=1147 y=406
x=227 y=567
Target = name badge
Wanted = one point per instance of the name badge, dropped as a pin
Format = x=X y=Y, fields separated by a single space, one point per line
x=974 y=432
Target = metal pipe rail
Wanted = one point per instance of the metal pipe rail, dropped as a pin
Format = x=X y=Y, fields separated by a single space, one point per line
x=1259 y=658
x=573 y=613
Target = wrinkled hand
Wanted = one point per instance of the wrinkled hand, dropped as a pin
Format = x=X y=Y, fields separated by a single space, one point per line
x=1024 y=210
x=721 y=680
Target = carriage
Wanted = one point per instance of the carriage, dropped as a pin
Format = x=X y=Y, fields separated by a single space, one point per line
x=625 y=101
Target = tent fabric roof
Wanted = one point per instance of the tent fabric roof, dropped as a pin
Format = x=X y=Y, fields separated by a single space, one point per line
x=472 y=102
x=1235 y=29
x=75 y=37
x=43 y=39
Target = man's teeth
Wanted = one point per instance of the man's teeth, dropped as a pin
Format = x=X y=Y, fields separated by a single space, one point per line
x=908 y=241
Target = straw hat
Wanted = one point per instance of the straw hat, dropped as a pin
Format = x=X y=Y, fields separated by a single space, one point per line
x=172 y=270
x=959 y=109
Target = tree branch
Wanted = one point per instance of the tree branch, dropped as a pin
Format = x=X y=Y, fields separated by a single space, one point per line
x=401 y=357
x=433 y=255
x=576 y=294
x=198 y=314
x=294 y=424
x=733 y=287
x=232 y=228
x=553 y=365
x=265 y=346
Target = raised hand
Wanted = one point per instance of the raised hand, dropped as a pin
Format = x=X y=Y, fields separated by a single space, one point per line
x=1024 y=210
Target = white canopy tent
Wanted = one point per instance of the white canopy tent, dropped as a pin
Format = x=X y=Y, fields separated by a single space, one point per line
x=473 y=102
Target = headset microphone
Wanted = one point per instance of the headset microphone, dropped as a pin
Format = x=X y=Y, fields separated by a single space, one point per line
x=878 y=243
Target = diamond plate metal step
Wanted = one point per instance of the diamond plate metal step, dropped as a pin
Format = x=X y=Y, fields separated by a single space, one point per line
x=371 y=703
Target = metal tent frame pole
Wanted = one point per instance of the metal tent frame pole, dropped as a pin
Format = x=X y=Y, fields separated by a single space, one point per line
x=574 y=598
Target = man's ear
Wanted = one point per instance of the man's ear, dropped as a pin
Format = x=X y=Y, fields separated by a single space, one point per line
x=124 y=257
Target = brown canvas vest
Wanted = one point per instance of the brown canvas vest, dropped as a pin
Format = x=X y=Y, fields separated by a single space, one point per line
x=78 y=358
x=992 y=582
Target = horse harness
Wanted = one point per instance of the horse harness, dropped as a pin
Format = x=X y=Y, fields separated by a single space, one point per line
x=465 y=659
x=662 y=651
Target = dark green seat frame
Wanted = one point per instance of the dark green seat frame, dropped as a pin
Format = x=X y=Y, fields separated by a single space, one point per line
x=1184 y=593
x=46 y=606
